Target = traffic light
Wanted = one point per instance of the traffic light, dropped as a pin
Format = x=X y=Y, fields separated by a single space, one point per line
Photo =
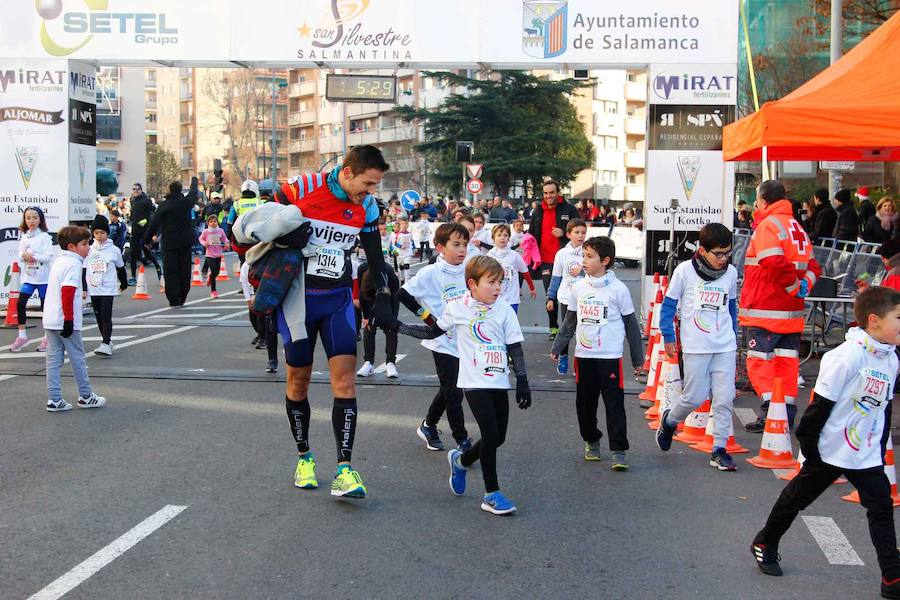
x=465 y=151
x=217 y=171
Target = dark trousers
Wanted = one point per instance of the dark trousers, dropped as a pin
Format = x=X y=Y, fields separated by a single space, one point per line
x=102 y=306
x=491 y=411
x=448 y=398
x=595 y=377
x=874 y=494
x=562 y=311
x=177 y=265
x=264 y=325
x=546 y=272
x=137 y=250
x=213 y=265
x=369 y=344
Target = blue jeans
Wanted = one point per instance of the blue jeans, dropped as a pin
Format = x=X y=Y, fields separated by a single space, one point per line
x=57 y=348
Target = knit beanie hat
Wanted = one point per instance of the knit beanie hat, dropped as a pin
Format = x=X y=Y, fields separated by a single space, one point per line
x=100 y=222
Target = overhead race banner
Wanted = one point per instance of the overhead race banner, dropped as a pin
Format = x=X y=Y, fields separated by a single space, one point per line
x=349 y=33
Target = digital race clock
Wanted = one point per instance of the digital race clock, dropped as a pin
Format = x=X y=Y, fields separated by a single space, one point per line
x=361 y=88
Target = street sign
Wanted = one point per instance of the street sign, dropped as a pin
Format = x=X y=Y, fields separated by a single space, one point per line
x=832 y=165
x=474 y=186
x=473 y=170
x=408 y=199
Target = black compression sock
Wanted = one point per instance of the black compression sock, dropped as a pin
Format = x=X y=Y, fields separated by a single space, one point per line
x=298 y=415
x=343 y=422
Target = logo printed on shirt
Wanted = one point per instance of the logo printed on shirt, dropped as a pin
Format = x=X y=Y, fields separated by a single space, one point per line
x=475 y=328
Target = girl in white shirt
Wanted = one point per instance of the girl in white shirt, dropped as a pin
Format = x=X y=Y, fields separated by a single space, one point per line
x=423 y=236
x=35 y=254
x=488 y=335
x=514 y=269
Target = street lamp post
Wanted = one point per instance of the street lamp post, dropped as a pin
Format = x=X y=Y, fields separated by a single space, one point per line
x=837 y=49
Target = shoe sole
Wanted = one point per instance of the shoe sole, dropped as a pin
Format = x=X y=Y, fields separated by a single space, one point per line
x=450 y=479
x=98 y=353
x=101 y=405
x=424 y=438
x=488 y=508
x=60 y=409
x=393 y=376
x=309 y=485
x=271 y=370
x=620 y=468
x=356 y=494
x=716 y=465
x=358 y=374
x=593 y=458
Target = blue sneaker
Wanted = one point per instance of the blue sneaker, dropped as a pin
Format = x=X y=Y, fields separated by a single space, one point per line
x=498 y=504
x=664 y=433
x=465 y=445
x=562 y=366
x=457 y=473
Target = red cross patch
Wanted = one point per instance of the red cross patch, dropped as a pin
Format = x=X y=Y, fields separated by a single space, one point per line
x=798 y=236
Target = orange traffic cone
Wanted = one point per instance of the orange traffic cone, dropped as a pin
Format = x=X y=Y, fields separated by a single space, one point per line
x=659 y=380
x=657 y=357
x=775 y=449
x=237 y=267
x=196 y=277
x=140 y=291
x=731 y=446
x=889 y=469
x=695 y=425
x=655 y=336
x=651 y=301
x=12 y=309
x=223 y=272
x=670 y=391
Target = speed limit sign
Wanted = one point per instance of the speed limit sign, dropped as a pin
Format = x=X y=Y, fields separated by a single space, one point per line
x=474 y=186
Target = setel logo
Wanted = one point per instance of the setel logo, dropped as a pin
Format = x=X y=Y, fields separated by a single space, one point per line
x=694 y=86
x=81 y=26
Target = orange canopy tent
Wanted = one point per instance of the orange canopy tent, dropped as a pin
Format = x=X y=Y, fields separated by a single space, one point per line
x=849 y=112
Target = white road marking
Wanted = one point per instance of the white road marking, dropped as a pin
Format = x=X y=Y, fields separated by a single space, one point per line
x=832 y=541
x=142 y=326
x=115 y=338
x=183 y=316
x=8 y=355
x=165 y=308
x=81 y=572
x=6 y=377
x=745 y=415
x=202 y=308
x=779 y=472
x=381 y=368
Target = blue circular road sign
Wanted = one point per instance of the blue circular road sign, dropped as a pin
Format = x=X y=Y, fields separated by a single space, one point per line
x=409 y=198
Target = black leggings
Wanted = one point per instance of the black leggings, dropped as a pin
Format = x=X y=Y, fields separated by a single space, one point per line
x=369 y=344
x=137 y=250
x=102 y=306
x=212 y=265
x=491 y=411
x=448 y=397
x=265 y=325
x=546 y=271
x=22 y=307
x=593 y=377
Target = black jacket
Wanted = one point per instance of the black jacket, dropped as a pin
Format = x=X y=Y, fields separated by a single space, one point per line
x=847 y=227
x=823 y=221
x=866 y=212
x=141 y=209
x=872 y=232
x=173 y=220
x=565 y=212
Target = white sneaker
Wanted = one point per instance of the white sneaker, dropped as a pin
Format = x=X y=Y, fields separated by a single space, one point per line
x=390 y=371
x=58 y=406
x=92 y=401
x=366 y=370
x=104 y=349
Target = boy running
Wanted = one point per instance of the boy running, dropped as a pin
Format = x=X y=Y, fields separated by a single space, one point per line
x=705 y=288
x=844 y=431
x=436 y=286
x=567 y=270
x=601 y=316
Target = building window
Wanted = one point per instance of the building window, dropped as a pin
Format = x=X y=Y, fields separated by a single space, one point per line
x=608 y=177
x=632 y=78
x=632 y=179
x=109 y=127
x=608 y=142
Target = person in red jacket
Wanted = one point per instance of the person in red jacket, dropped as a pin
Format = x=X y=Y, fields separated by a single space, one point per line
x=779 y=272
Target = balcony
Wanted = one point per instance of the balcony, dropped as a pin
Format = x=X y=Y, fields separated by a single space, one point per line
x=306 y=117
x=113 y=165
x=187 y=163
x=634 y=192
x=357 y=138
x=635 y=126
x=303 y=146
x=150 y=82
x=186 y=117
x=635 y=92
x=398 y=134
x=299 y=90
x=187 y=140
x=150 y=104
x=635 y=159
x=402 y=165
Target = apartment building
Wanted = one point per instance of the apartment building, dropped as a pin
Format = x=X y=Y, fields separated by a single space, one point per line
x=121 y=124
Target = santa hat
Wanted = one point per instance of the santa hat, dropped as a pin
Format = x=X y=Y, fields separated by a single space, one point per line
x=863 y=193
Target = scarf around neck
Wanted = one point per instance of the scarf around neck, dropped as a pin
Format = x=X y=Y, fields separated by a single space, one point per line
x=704 y=270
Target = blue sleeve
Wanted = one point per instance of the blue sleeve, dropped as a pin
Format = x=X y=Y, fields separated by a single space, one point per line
x=667 y=319
x=555 y=282
x=732 y=308
x=372 y=213
x=232 y=216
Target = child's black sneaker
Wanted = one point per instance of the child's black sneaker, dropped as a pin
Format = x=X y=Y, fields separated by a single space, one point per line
x=664 y=432
x=431 y=436
x=890 y=589
x=721 y=460
x=766 y=559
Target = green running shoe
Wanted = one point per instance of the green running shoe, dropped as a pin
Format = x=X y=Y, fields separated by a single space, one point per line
x=592 y=451
x=347 y=483
x=305 y=475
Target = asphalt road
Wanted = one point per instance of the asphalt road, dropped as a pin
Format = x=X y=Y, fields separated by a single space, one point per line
x=194 y=424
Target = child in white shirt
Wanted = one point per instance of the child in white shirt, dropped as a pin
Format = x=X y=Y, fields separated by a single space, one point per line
x=600 y=317
x=103 y=269
x=488 y=335
x=482 y=236
x=514 y=269
x=403 y=246
x=705 y=289
x=35 y=254
x=62 y=321
x=846 y=430
x=567 y=269
x=423 y=236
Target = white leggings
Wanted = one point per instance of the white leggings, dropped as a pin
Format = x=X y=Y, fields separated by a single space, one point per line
x=708 y=376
